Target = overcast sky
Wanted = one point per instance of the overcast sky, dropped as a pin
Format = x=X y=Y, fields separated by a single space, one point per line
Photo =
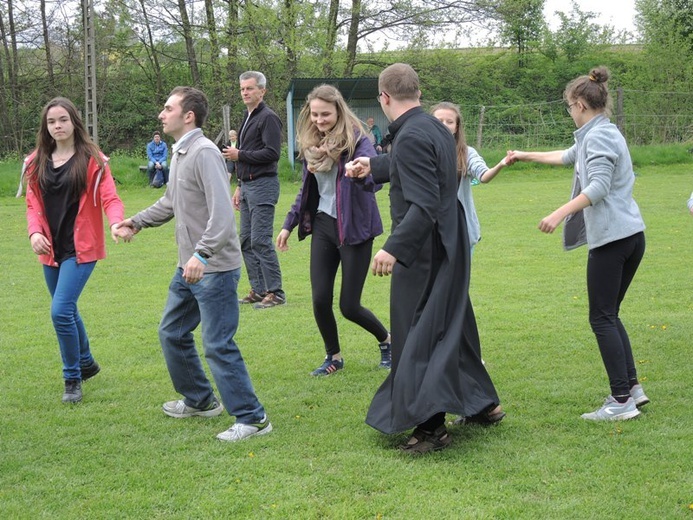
x=618 y=13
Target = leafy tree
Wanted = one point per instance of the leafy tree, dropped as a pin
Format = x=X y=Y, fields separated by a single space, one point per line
x=522 y=23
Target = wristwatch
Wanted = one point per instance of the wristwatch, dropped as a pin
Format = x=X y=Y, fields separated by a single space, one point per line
x=203 y=254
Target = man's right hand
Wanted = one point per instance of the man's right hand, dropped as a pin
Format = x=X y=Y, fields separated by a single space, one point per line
x=125 y=229
x=358 y=168
x=236 y=198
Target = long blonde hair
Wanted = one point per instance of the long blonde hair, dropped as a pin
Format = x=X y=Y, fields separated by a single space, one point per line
x=345 y=133
x=460 y=140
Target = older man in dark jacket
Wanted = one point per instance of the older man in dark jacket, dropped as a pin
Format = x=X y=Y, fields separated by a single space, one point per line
x=257 y=193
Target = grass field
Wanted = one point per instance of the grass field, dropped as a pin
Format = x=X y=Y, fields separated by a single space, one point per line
x=116 y=455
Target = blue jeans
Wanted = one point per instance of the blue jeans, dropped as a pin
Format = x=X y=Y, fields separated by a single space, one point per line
x=157 y=177
x=214 y=302
x=258 y=199
x=65 y=284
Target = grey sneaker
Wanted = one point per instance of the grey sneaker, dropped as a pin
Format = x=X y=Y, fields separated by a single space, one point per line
x=73 y=391
x=612 y=410
x=239 y=431
x=638 y=395
x=180 y=410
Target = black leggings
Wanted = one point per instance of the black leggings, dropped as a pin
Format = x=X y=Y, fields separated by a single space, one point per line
x=610 y=270
x=325 y=257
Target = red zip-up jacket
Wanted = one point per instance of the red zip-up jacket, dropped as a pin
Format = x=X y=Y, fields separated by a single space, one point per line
x=99 y=197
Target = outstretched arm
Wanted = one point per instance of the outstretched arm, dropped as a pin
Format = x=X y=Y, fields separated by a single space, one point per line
x=554 y=158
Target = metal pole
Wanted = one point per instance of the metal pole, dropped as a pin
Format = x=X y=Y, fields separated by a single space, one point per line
x=90 y=119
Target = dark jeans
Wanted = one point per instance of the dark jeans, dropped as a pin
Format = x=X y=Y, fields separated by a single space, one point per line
x=325 y=257
x=258 y=199
x=610 y=270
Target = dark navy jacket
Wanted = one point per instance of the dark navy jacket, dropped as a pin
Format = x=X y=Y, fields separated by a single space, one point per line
x=358 y=218
x=259 y=144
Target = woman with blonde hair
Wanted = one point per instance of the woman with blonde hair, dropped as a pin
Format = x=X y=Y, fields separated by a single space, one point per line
x=342 y=216
x=69 y=186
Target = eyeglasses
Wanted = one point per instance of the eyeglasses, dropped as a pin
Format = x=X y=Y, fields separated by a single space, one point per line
x=383 y=93
x=569 y=108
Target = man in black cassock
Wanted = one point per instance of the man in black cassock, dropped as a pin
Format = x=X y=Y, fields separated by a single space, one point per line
x=436 y=358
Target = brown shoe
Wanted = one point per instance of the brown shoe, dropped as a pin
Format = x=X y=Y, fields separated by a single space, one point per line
x=422 y=442
x=485 y=418
x=252 y=297
x=271 y=300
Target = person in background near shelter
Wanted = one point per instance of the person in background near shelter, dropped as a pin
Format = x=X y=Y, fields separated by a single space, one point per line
x=257 y=193
x=341 y=214
x=690 y=204
x=204 y=286
x=374 y=134
x=157 y=169
x=602 y=214
x=232 y=143
x=435 y=368
x=69 y=187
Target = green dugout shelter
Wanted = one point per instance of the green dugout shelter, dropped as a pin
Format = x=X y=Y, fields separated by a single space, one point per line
x=360 y=94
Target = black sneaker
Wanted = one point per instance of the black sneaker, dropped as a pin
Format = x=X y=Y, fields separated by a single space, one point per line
x=329 y=366
x=89 y=371
x=385 y=355
x=73 y=391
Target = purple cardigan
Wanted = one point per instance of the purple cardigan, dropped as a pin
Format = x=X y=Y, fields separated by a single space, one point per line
x=358 y=218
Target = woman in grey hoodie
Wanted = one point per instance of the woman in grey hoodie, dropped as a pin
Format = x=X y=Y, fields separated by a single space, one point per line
x=603 y=215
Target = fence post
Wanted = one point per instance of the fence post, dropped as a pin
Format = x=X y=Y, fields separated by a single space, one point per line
x=481 y=126
x=619 y=111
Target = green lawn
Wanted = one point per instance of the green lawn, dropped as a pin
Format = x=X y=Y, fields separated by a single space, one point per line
x=116 y=455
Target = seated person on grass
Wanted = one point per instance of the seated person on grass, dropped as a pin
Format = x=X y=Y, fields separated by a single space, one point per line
x=157 y=170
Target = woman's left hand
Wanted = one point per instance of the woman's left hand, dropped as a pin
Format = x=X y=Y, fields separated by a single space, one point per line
x=550 y=223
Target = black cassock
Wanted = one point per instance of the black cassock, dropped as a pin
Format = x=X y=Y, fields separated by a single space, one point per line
x=436 y=357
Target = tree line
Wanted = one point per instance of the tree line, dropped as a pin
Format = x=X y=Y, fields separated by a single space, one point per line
x=146 y=47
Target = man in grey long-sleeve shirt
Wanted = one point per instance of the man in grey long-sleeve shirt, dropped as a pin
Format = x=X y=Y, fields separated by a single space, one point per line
x=204 y=287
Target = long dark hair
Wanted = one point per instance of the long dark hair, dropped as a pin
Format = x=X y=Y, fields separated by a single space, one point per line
x=45 y=146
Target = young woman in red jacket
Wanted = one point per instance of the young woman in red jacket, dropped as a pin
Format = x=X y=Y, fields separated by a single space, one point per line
x=69 y=186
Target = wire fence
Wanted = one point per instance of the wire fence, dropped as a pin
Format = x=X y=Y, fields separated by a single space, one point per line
x=644 y=117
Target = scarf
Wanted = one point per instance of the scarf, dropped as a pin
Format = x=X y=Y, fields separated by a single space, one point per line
x=321 y=158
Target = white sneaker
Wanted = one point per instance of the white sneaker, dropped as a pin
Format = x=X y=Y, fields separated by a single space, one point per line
x=612 y=410
x=240 y=431
x=638 y=395
x=180 y=410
